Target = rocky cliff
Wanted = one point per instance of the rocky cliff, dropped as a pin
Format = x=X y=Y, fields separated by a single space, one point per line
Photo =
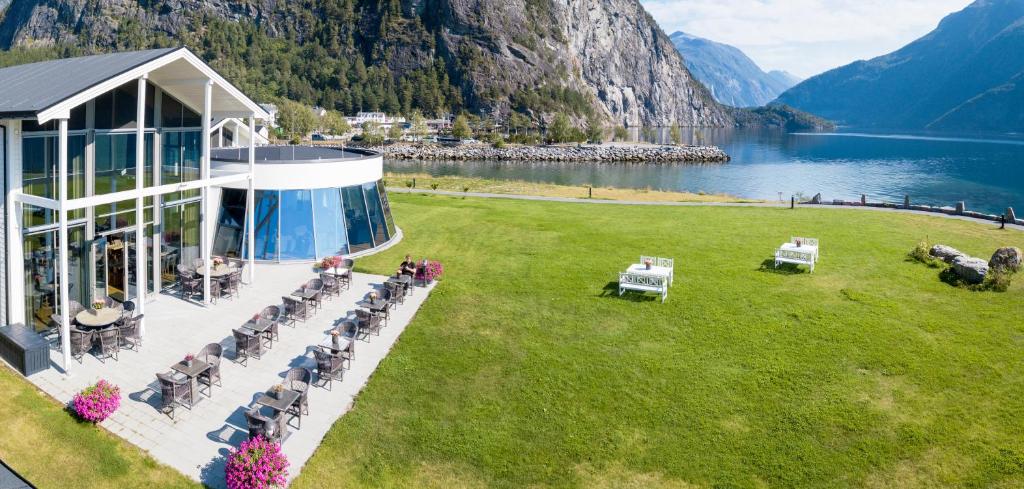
x=603 y=58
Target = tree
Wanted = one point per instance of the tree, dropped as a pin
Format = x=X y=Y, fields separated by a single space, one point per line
x=372 y=134
x=518 y=121
x=675 y=135
x=595 y=129
x=621 y=133
x=460 y=128
x=560 y=130
x=395 y=132
x=296 y=120
x=334 y=123
x=418 y=128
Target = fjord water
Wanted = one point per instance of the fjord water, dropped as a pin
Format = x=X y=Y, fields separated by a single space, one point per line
x=987 y=174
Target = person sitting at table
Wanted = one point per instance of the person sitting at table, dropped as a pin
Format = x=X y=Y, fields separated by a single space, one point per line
x=408 y=267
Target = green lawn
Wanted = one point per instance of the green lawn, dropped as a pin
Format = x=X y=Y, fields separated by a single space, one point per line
x=523 y=370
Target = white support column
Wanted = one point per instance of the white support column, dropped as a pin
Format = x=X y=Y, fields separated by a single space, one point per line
x=15 y=243
x=62 y=238
x=158 y=209
x=250 y=200
x=141 y=283
x=220 y=137
x=204 y=173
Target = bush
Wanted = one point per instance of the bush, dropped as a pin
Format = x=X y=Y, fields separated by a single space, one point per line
x=433 y=186
x=97 y=402
x=921 y=254
x=256 y=464
x=997 y=281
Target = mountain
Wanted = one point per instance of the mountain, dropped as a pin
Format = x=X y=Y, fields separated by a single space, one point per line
x=966 y=75
x=587 y=58
x=786 y=78
x=733 y=78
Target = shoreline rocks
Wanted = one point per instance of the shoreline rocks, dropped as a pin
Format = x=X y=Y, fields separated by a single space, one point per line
x=568 y=153
x=1007 y=259
x=945 y=253
x=970 y=269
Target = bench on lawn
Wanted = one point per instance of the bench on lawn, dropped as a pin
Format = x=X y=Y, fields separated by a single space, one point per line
x=794 y=257
x=811 y=242
x=642 y=282
x=668 y=263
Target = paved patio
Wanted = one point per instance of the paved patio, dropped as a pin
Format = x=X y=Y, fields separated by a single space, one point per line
x=196 y=441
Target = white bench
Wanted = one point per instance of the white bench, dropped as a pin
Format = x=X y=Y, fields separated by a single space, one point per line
x=642 y=282
x=811 y=242
x=668 y=263
x=794 y=257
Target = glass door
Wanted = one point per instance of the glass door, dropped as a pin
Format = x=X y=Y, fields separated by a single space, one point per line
x=116 y=266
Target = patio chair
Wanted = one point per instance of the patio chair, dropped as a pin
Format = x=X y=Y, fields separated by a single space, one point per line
x=367 y=323
x=346 y=276
x=270 y=428
x=216 y=291
x=273 y=314
x=81 y=343
x=188 y=284
x=129 y=333
x=211 y=354
x=52 y=331
x=74 y=307
x=174 y=392
x=197 y=263
x=109 y=343
x=397 y=292
x=317 y=285
x=385 y=312
x=299 y=379
x=246 y=345
x=232 y=283
x=110 y=302
x=348 y=346
x=127 y=311
x=332 y=286
x=295 y=309
x=329 y=367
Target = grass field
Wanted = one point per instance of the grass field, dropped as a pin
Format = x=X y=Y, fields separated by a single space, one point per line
x=520 y=187
x=524 y=369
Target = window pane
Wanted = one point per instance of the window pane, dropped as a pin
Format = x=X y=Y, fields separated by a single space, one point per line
x=230 y=224
x=386 y=206
x=330 y=222
x=125 y=105
x=170 y=111
x=296 y=225
x=356 y=221
x=189 y=232
x=377 y=224
x=115 y=163
x=104 y=111
x=266 y=225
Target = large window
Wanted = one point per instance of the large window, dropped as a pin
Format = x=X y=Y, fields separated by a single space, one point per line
x=181 y=154
x=40 y=176
x=296 y=225
x=356 y=220
x=41 y=277
x=180 y=236
x=378 y=227
x=230 y=224
x=329 y=223
x=266 y=230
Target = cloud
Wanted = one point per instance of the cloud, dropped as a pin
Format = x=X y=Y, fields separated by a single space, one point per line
x=805 y=37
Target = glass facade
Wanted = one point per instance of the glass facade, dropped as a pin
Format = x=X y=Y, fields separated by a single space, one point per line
x=101 y=160
x=306 y=224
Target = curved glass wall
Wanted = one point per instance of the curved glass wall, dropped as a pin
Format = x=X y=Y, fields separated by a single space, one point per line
x=305 y=224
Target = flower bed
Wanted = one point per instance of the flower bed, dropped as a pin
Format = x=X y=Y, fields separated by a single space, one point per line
x=97 y=402
x=434 y=270
x=256 y=464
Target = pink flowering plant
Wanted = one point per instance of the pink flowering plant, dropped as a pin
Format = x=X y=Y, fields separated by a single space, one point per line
x=256 y=464
x=97 y=402
x=434 y=270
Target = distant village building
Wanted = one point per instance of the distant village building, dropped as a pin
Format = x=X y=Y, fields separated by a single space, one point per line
x=272 y=110
x=378 y=117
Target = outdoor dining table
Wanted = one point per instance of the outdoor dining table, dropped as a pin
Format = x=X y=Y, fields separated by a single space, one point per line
x=219 y=271
x=192 y=372
x=345 y=344
x=654 y=270
x=280 y=403
x=374 y=305
x=98 y=318
x=404 y=280
x=262 y=327
x=804 y=248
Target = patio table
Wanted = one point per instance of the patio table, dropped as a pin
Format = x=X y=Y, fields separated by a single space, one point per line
x=218 y=271
x=261 y=327
x=345 y=342
x=404 y=280
x=281 y=404
x=98 y=318
x=192 y=372
x=374 y=306
x=655 y=270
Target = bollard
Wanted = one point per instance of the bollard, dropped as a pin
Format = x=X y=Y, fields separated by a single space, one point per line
x=961 y=207
x=906 y=201
x=792 y=202
x=413 y=183
x=1002 y=221
x=590 y=192
x=863 y=199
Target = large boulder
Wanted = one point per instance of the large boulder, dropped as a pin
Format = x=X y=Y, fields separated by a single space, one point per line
x=1008 y=259
x=970 y=269
x=945 y=253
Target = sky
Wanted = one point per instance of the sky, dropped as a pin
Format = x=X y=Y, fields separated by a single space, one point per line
x=805 y=37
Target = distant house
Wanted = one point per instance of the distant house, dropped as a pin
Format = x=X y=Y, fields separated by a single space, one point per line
x=233 y=132
x=380 y=118
x=272 y=110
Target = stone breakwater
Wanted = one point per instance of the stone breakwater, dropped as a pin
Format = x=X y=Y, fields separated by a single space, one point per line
x=596 y=153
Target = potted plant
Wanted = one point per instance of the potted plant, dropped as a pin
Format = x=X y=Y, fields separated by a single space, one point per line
x=98 y=304
x=336 y=339
x=189 y=359
x=373 y=296
x=256 y=464
x=276 y=391
x=433 y=271
x=97 y=402
x=217 y=261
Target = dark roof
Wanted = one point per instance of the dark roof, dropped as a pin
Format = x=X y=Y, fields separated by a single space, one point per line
x=31 y=88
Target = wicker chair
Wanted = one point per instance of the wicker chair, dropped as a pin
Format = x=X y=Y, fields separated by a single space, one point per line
x=246 y=345
x=231 y=283
x=197 y=263
x=270 y=428
x=174 y=392
x=367 y=323
x=346 y=276
x=347 y=349
x=397 y=292
x=329 y=367
x=188 y=283
x=316 y=285
x=81 y=343
x=109 y=344
x=211 y=354
x=129 y=333
x=299 y=379
x=273 y=313
x=295 y=309
x=127 y=311
x=332 y=287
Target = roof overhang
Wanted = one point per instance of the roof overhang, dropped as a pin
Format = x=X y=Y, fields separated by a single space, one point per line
x=180 y=73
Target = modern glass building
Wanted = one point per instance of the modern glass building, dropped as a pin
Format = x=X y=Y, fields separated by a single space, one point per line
x=108 y=178
x=310 y=202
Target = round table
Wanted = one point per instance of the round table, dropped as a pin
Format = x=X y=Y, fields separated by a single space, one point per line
x=98 y=318
x=217 y=271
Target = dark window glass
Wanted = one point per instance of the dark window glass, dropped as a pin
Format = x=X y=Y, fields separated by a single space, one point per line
x=386 y=206
x=77 y=121
x=125 y=105
x=104 y=111
x=230 y=224
x=170 y=111
x=266 y=225
x=377 y=225
x=150 y=104
x=356 y=222
x=329 y=222
x=190 y=118
x=296 y=225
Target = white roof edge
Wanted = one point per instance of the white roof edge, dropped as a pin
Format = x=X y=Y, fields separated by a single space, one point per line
x=63 y=108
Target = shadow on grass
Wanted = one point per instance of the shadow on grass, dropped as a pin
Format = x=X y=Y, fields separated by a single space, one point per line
x=768 y=266
x=611 y=291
